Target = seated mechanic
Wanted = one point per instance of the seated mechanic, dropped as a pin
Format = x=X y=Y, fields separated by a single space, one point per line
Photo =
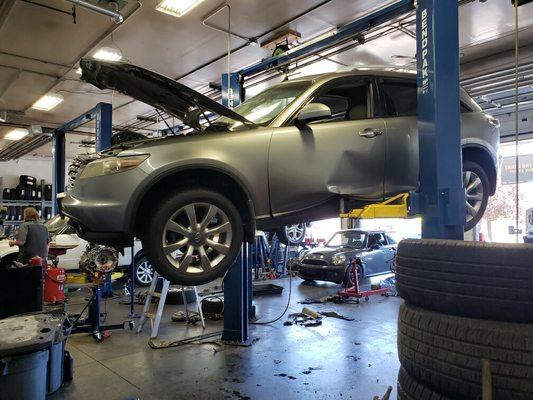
x=33 y=238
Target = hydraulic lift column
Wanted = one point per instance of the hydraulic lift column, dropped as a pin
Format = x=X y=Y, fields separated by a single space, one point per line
x=442 y=197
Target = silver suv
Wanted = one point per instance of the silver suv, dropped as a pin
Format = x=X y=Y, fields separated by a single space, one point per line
x=287 y=155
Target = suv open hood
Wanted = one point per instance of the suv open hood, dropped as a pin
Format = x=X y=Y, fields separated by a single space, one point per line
x=154 y=89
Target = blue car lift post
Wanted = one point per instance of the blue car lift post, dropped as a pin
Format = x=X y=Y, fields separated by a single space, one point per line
x=441 y=199
x=102 y=114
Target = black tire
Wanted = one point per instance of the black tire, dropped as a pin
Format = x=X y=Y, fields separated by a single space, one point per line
x=410 y=389
x=445 y=353
x=349 y=278
x=144 y=272
x=155 y=227
x=175 y=296
x=471 y=279
x=213 y=305
x=286 y=237
x=471 y=166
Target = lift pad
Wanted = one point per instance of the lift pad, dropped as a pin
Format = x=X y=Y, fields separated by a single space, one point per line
x=395 y=207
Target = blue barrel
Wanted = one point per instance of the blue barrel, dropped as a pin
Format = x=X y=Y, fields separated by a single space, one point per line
x=23 y=377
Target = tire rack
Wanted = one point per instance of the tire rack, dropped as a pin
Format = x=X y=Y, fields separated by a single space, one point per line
x=24 y=203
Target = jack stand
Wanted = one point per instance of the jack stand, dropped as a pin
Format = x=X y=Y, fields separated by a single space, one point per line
x=132 y=283
x=107 y=290
x=92 y=324
x=237 y=299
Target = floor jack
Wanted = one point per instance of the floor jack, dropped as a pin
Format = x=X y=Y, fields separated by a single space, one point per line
x=91 y=323
x=355 y=291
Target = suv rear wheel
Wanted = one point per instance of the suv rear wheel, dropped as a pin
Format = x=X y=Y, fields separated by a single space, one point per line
x=193 y=236
x=476 y=185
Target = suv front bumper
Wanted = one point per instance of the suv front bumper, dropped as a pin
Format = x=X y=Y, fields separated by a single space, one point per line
x=99 y=207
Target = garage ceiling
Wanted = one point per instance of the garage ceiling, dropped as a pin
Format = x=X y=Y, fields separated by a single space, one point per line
x=40 y=48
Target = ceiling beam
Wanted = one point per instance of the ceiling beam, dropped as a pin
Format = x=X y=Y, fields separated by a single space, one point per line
x=5 y=8
x=495 y=62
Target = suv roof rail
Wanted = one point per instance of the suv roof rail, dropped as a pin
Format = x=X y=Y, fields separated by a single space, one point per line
x=382 y=67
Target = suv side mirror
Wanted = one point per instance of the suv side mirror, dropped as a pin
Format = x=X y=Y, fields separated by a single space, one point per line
x=312 y=112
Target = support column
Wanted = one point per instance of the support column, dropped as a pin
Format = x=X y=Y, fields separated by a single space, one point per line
x=103 y=126
x=442 y=198
x=59 y=166
x=236 y=293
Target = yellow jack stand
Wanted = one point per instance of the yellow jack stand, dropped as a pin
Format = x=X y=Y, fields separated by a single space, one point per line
x=395 y=207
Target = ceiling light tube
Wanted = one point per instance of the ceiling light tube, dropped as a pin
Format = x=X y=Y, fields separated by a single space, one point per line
x=47 y=102
x=177 y=8
x=108 y=54
x=16 y=134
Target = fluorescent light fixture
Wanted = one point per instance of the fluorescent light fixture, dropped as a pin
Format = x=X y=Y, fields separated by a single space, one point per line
x=108 y=54
x=47 y=102
x=177 y=8
x=16 y=134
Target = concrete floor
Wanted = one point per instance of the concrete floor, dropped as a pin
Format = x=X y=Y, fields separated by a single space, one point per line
x=338 y=360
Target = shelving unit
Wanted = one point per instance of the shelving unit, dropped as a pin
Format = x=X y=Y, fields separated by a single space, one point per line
x=25 y=203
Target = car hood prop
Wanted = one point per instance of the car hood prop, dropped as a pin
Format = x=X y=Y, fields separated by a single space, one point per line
x=156 y=90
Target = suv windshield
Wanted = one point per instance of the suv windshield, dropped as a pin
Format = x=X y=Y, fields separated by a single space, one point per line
x=267 y=105
x=347 y=239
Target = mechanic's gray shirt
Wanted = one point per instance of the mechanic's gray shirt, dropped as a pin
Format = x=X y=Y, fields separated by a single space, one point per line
x=35 y=238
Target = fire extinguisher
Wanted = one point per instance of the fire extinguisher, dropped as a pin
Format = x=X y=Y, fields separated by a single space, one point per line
x=54 y=280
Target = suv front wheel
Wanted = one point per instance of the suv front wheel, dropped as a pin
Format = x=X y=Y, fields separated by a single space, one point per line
x=193 y=236
x=476 y=185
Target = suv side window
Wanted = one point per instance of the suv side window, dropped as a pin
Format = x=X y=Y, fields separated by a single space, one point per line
x=348 y=99
x=390 y=240
x=400 y=96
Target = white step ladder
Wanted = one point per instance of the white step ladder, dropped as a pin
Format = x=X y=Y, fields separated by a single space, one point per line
x=155 y=319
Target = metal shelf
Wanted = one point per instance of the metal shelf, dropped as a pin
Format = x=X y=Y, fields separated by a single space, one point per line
x=25 y=202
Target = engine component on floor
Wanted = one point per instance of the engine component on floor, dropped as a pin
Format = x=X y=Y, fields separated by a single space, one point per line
x=99 y=259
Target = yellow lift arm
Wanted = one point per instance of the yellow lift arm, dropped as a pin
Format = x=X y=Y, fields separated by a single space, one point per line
x=395 y=207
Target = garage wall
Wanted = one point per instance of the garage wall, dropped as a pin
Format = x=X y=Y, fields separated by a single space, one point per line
x=37 y=167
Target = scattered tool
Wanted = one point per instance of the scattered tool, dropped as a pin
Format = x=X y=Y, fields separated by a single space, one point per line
x=386 y=396
x=333 y=314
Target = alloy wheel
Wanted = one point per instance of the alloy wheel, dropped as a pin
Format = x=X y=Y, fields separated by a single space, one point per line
x=295 y=232
x=473 y=186
x=197 y=237
x=145 y=272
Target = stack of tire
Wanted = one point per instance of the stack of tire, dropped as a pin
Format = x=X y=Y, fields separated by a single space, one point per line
x=465 y=302
x=26 y=190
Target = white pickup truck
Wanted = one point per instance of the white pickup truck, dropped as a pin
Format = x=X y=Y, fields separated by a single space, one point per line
x=63 y=234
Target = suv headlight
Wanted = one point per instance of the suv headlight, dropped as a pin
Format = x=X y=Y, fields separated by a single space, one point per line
x=338 y=259
x=111 y=165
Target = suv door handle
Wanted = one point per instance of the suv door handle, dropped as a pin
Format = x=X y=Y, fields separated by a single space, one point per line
x=370 y=133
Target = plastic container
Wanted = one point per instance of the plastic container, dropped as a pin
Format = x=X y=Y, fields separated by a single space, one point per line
x=23 y=377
